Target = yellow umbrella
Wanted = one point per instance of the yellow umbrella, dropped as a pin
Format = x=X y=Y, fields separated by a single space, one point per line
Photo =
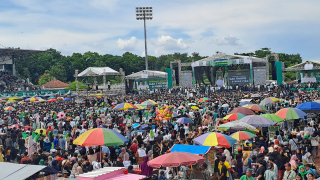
x=99 y=94
x=43 y=133
x=274 y=99
x=194 y=107
x=139 y=107
x=13 y=98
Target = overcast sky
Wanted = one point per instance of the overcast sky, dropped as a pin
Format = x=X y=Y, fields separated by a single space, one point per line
x=110 y=26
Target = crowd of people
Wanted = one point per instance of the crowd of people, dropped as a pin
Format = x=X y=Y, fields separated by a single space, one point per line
x=12 y=83
x=43 y=134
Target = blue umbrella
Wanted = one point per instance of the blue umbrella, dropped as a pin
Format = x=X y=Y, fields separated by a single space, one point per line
x=141 y=131
x=184 y=120
x=136 y=125
x=245 y=103
x=67 y=99
x=309 y=107
x=143 y=126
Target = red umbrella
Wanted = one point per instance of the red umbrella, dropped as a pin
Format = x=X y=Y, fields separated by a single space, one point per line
x=52 y=100
x=26 y=128
x=175 y=159
x=242 y=110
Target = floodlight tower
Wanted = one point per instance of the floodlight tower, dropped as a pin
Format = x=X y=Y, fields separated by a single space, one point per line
x=144 y=13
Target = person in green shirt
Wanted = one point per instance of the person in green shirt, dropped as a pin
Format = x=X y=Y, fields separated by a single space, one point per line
x=248 y=175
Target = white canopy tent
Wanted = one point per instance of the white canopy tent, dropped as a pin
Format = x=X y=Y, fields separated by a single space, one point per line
x=98 y=71
x=147 y=74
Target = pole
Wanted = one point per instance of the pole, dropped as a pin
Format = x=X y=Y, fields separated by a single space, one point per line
x=251 y=75
x=192 y=65
x=145 y=40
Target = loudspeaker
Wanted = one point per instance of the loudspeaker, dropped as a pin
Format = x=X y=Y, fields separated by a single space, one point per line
x=176 y=74
x=273 y=71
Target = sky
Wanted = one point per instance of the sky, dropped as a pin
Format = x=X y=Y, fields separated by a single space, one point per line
x=110 y=26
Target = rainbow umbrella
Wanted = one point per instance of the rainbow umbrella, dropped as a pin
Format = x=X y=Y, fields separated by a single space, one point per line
x=273 y=117
x=60 y=98
x=290 y=113
x=215 y=139
x=33 y=99
x=242 y=135
x=148 y=103
x=125 y=106
x=205 y=99
x=184 y=120
x=255 y=107
x=100 y=136
x=10 y=102
x=269 y=100
x=9 y=108
x=139 y=107
x=234 y=116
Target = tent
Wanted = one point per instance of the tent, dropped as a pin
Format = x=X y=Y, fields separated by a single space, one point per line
x=21 y=171
x=147 y=74
x=98 y=71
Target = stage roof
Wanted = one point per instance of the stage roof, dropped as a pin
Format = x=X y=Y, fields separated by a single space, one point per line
x=151 y=74
x=226 y=56
x=299 y=67
x=18 y=52
x=98 y=71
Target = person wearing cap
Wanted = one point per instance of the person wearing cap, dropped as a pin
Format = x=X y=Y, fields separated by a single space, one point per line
x=247 y=176
x=260 y=170
x=289 y=174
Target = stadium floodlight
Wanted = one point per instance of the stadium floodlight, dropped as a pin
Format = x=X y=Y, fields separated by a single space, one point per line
x=144 y=13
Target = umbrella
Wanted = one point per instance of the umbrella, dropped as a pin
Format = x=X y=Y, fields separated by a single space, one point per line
x=176 y=159
x=310 y=107
x=100 y=136
x=99 y=97
x=255 y=107
x=174 y=114
x=10 y=102
x=192 y=104
x=273 y=117
x=136 y=125
x=9 y=108
x=242 y=110
x=67 y=99
x=225 y=105
x=237 y=126
x=41 y=100
x=255 y=95
x=26 y=128
x=242 y=135
x=33 y=99
x=194 y=107
x=143 y=126
x=184 y=120
x=139 y=107
x=269 y=100
x=60 y=98
x=257 y=121
x=202 y=100
x=44 y=131
x=180 y=107
x=318 y=101
x=51 y=97
x=290 y=113
x=52 y=100
x=148 y=103
x=235 y=116
x=245 y=103
x=13 y=98
x=125 y=106
x=215 y=139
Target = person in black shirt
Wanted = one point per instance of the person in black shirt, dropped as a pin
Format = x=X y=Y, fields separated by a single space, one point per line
x=156 y=149
x=223 y=171
x=260 y=170
x=22 y=148
x=181 y=132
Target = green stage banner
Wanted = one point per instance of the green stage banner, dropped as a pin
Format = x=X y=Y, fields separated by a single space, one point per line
x=154 y=83
x=35 y=93
x=220 y=62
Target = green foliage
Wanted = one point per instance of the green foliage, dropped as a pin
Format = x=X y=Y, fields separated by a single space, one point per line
x=73 y=86
x=46 y=77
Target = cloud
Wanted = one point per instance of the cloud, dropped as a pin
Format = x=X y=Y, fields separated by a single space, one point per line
x=104 y=4
x=227 y=40
x=167 y=43
x=127 y=45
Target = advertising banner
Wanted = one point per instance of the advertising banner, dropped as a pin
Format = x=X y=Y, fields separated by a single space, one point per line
x=309 y=76
x=238 y=77
x=220 y=62
x=35 y=93
x=151 y=84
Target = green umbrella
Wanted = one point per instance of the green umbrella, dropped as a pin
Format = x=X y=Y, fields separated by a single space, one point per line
x=273 y=117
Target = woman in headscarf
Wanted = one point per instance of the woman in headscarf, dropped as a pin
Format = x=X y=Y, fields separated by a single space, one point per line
x=145 y=169
x=228 y=156
x=246 y=162
x=47 y=144
x=75 y=168
x=306 y=159
x=149 y=155
x=303 y=172
x=262 y=150
x=124 y=155
x=293 y=162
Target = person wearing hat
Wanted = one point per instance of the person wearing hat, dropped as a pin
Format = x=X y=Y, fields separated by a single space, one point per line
x=248 y=175
x=289 y=174
x=65 y=174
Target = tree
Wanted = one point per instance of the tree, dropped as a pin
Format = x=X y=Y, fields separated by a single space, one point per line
x=58 y=72
x=46 y=77
x=73 y=86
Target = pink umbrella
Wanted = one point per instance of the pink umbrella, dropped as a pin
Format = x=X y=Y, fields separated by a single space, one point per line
x=14 y=126
x=61 y=115
x=175 y=159
x=26 y=128
x=180 y=107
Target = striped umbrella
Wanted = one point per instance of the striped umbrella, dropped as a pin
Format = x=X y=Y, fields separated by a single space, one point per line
x=234 y=116
x=9 y=108
x=125 y=106
x=100 y=136
x=242 y=135
x=290 y=113
x=60 y=98
x=255 y=107
x=33 y=99
x=148 y=103
x=215 y=139
x=273 y=117
x=139 y=107
x=184 y=120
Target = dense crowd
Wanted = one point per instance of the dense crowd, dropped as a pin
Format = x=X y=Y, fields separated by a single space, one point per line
x=43 y=134
x=13 y=84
